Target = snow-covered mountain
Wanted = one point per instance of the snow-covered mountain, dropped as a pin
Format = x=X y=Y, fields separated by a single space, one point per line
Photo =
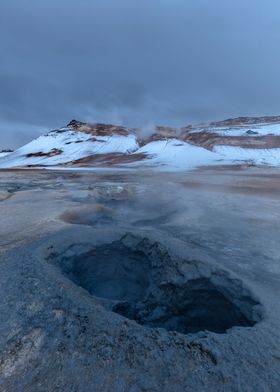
x=82 y=145
x=72 y=143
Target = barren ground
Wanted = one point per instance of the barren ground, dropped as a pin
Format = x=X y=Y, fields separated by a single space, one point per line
x=137 y=281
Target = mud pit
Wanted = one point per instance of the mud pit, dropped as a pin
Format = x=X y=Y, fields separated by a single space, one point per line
x=141 y=282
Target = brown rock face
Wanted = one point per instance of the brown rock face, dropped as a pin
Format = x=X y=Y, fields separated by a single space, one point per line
x=239 y=121
x=52 y=153
x=100 y=129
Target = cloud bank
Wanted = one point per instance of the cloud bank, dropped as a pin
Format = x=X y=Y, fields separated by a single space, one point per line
x=170 y=62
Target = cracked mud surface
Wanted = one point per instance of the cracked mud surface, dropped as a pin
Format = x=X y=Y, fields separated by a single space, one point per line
x=131 y=282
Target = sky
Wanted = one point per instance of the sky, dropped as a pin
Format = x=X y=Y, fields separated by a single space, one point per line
x=135 y=62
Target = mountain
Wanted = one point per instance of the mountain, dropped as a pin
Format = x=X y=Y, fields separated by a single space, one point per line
x=243 y=140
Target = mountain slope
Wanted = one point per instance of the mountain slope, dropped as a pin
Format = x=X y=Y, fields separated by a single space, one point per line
x=67 y=145
x=177 y=154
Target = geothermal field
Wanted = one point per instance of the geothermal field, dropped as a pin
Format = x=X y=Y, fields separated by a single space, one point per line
x=139 y=196
x=120 y=279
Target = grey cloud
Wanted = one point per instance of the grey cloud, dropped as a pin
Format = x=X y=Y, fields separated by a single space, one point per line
x=135 y=62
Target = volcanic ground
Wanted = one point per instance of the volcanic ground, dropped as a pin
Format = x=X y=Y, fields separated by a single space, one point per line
x=133 y=281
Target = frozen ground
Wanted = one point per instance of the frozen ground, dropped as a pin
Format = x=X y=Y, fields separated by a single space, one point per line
x=129 y=281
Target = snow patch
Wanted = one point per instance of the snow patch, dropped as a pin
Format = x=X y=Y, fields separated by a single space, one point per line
x=4 y=154
x=177 y=154
x=248 y=130
x=257 y=156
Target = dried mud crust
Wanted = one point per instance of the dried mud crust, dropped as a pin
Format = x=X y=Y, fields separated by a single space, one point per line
x=141 y=281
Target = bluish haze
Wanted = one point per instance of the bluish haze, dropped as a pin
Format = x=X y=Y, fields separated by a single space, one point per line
x=170 y=62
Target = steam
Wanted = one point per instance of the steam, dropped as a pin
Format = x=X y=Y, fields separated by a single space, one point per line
x=147 y=130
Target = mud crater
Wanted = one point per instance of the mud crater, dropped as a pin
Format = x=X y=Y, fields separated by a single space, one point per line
x=139 y=280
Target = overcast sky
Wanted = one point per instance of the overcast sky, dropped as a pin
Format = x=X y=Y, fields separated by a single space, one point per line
x=136 y=62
